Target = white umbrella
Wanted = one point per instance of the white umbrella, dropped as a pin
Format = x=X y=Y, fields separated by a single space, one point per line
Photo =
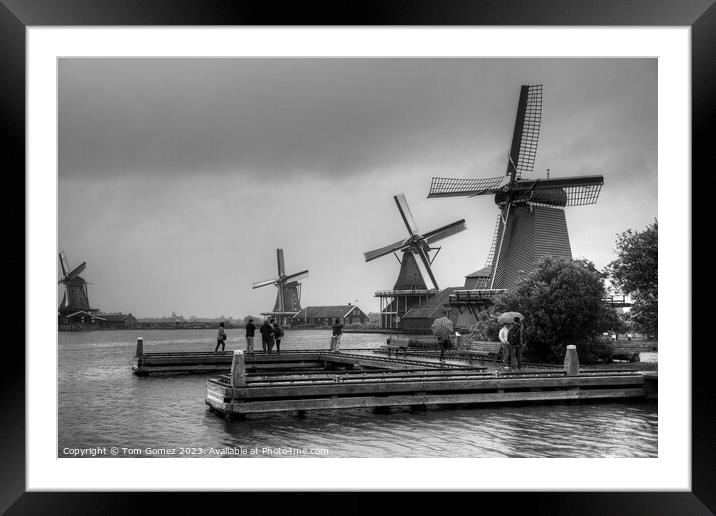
x=509 y=317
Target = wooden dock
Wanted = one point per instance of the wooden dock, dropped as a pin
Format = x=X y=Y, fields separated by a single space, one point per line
x=286 y=361
x=240 y=393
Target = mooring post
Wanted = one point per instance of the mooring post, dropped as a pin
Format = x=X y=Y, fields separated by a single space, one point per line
x=238 y=369
x=140 y=346
x=571 y=361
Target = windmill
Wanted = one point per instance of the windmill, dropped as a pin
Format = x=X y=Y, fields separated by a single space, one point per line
x=75 y=297
x=288 y=298
x=410 y=289
x=531 y=223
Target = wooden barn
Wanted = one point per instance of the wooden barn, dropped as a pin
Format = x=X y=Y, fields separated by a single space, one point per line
x=326 y=315
x=419 y=319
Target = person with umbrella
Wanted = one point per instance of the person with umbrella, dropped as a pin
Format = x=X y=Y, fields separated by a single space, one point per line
x=514 y=339
x=504 y=331
x=515 y=343
x=443 y=329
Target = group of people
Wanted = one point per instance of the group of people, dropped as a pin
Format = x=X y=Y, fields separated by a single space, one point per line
x=512 y=344
x=271 y=335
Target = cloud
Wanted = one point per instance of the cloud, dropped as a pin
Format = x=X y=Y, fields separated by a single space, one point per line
x=179 y=178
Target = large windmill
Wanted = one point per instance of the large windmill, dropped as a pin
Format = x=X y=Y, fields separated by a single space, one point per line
x=75 y=297
x=410 y=288
x=531 y=223
x=288 y=298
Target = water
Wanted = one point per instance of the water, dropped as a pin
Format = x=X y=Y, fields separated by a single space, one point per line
x=102 y=404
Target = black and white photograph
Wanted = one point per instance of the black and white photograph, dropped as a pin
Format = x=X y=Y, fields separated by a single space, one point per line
x=357 y=257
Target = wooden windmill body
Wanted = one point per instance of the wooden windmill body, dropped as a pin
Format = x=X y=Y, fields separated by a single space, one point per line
x=75 y=298
x=288 y=296
x=411 y=288
x=531 y=223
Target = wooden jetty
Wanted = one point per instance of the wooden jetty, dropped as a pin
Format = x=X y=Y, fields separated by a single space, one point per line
x=261 y=362
x=240 y=393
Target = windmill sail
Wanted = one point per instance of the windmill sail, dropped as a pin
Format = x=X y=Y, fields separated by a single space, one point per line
x=526 y=133
x=411 y=273
x=532 y=221
x=382 y=251
x=406 y=214
x=445 y=231
x=452 y=187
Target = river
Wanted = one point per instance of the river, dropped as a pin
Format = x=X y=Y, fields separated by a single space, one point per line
x=102 y=404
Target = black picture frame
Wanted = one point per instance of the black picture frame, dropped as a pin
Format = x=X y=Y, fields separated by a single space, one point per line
x=17 y=15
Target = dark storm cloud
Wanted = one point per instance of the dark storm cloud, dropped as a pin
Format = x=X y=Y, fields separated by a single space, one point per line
x=281 y=116
x=162 y=165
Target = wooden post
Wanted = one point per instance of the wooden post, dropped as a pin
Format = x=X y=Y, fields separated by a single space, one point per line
x=238 y=369
x=571 y=361
x=140 y=347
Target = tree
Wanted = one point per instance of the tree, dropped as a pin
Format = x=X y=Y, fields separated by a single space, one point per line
x=562 y=301
x=636 y=273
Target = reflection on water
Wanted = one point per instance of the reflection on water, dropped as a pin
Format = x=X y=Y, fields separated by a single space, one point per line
x=101 y=403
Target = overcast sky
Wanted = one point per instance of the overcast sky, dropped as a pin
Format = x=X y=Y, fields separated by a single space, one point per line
x=179 y=178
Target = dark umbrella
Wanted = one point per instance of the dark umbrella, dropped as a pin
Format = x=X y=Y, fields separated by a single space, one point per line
x=442 y=328
x=509 y=317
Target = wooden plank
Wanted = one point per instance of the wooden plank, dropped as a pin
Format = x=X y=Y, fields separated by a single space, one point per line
x=277 y=390
x=199 y=368
x=407 y=400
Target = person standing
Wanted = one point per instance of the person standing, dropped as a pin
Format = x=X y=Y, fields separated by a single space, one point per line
x=504 y=331
x=220 y=338
x=277 y=335
x=266 y=336
x=444 y=344
x=514 y=340
x=250 y=331
x=336 y=337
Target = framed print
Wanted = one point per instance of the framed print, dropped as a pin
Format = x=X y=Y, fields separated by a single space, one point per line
x=195 y=190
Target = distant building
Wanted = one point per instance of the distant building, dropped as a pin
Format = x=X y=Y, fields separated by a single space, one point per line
x=326 y=315
x=116 y=321
x=83 y=320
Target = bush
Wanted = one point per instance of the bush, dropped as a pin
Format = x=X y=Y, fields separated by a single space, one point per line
x=594 y=350
x=562 y=304
x=486 y=328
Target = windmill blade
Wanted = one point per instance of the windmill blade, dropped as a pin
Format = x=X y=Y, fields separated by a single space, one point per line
x=461 y=187
x=280 y=262
x=445 y=231
x=525 y=137
x=260 y=284
x=64 y=265
x=76 y=272
x=296 y=276
x=377 y=253
x=406 y=214
x=563 y=191
x=426 y=262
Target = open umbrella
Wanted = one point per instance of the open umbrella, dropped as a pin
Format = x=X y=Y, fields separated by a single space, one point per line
x=442 y=328
x=509 y=317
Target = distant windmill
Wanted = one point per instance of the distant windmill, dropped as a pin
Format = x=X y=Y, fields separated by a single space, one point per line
x=410 y=277
x=531 y=224
x=288 y=299
x=75 y=297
